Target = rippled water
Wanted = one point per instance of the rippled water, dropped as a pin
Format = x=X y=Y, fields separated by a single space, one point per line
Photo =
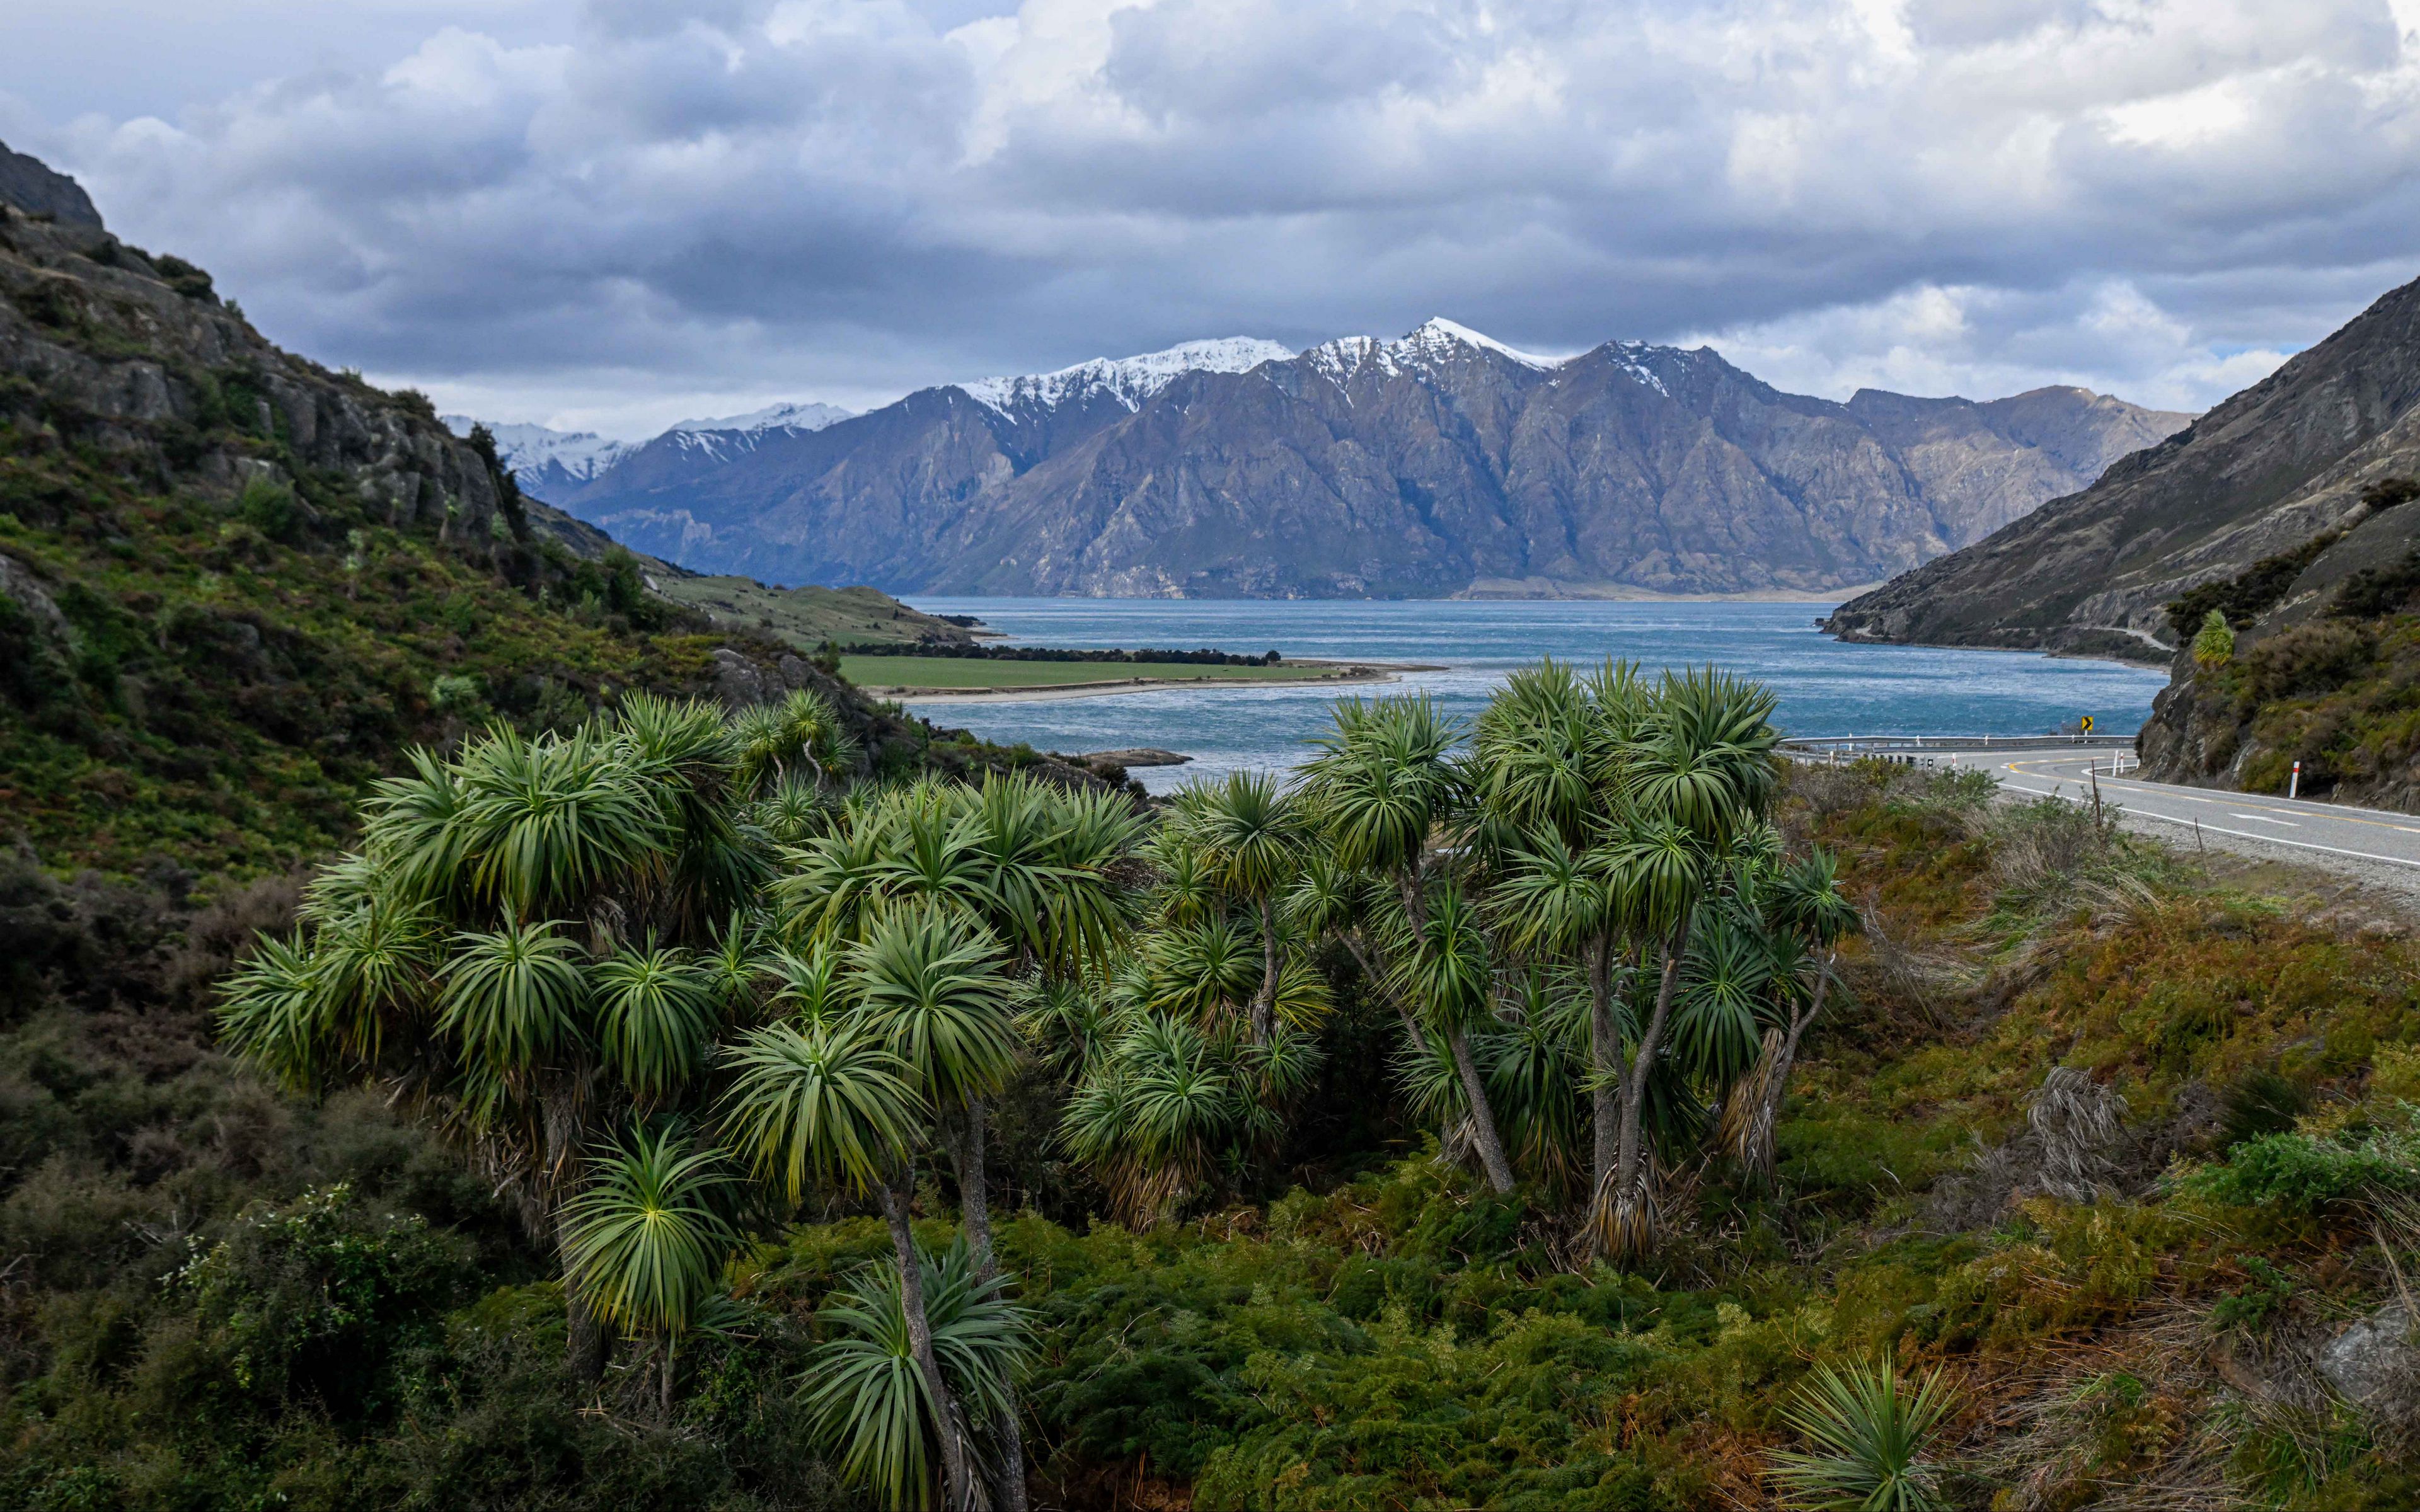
x=1826 y=688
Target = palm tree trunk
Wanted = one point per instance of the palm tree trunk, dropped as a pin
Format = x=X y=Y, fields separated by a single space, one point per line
x=665 y=1405
x=587 y=1339
x=1482 y=1115
x=1264 y=1004
x=974 y=1206
x=1775 y=1085
x=955 y=1483
x=1474 y=1087
x=1625 y=1213
x=1605 y=1062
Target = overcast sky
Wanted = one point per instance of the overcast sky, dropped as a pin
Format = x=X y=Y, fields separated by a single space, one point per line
x=616 y=213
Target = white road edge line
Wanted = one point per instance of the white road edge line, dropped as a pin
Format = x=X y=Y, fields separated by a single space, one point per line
x=2269 y=839
x=2302 y=806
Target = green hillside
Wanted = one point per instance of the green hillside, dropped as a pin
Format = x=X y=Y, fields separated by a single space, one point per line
x=807 y=616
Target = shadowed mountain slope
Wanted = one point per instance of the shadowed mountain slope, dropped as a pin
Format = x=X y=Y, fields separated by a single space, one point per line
x=2259 y=475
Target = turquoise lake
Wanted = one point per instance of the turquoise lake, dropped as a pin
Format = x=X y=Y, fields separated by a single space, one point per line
x=1826 y=687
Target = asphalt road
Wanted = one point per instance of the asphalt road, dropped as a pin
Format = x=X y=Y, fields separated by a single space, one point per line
x=2373 y=836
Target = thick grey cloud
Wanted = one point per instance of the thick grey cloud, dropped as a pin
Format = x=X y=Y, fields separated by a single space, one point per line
x=616 y=214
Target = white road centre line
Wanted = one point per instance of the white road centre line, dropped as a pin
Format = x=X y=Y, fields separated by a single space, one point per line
x=2263 y=819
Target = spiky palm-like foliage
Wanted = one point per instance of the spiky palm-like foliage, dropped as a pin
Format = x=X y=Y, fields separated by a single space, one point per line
x=513 y=998
x=869 y=1400
x=1204 y=971
x=1251 y=835
x=480 y=951
x=932 y=985
x=801 y=737
x=1807 y=918
x=1536 y=1069
x=1725 y=1003
x=1382 y=788
x=646 y=1238
x=826 y=1104
x=1873 y=1435
x=656 y=1012
x=1155 y=1119
x=273 y=1006
x=809 y=986
x=1701 y=775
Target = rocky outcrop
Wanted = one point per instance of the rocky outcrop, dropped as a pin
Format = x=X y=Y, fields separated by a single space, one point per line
x=33 y=186
x=2259 y=475
x=112 y=348
x=1440 y=463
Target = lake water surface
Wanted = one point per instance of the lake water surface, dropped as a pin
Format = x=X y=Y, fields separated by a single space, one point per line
x=1826 y=687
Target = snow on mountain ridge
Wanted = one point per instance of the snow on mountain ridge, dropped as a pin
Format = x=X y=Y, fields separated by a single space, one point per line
x=1433 y=341
x=581 y=453
x=1130 y=380
x=1438 y=336
x=807 y=416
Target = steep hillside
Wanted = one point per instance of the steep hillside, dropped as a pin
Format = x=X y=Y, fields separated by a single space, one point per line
x=2260 y=475
x=1441 y=463
x=235 y=585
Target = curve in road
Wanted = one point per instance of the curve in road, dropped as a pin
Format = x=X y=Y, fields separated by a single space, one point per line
x=2300 y=824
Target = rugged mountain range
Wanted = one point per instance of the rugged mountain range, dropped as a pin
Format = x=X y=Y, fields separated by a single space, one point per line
x=2261 y=476
x=1440 y=463
x=557 y=463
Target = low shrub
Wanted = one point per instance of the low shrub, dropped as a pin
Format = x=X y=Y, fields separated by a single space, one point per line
x=2304 y=1173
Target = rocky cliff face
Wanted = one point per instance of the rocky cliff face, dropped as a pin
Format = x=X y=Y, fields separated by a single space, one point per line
x=1440 y=463
x=152 y=365
x=2260 y=475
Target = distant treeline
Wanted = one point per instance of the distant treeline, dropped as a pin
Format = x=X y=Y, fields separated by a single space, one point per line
x=1203 y=657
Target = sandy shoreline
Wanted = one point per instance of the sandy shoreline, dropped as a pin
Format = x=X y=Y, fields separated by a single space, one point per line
x=1110 y=688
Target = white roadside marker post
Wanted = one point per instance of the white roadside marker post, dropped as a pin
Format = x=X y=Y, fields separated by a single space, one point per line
x=2294 y=782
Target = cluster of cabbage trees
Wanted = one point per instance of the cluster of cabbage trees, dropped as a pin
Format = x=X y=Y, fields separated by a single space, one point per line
x=672 y=975
x=1189 y=1056
x=667 y=977
x=1578 y=908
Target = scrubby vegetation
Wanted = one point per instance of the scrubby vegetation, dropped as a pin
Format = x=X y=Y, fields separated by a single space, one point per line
x=2110 y=1160
x=2336 y=688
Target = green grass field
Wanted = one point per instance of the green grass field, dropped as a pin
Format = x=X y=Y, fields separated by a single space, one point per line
x=955 y=674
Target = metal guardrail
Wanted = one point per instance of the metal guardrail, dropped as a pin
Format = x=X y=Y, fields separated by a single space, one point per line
x=1878 y=744
x=1948 y=750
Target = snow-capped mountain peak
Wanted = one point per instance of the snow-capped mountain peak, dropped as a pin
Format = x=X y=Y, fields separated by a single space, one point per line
x=808 y=416
x=1130 y=380
x=1426 y=346
x=532 y=450
x=1438 y=337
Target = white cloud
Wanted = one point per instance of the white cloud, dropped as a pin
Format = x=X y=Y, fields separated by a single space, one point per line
x=652 y=208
